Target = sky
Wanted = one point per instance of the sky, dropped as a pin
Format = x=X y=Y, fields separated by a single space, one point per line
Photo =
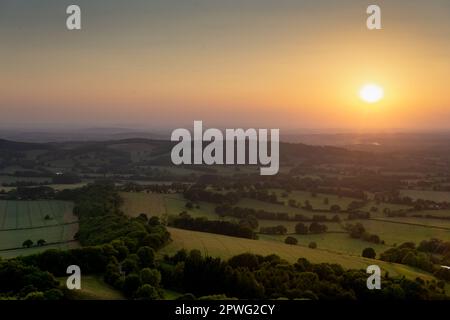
x=290 y=64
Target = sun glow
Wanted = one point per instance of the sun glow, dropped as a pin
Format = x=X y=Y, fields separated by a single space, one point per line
x=371 y=93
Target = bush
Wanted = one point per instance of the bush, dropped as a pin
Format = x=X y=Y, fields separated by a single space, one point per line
x=151 y=277
x=301 y=228
x=369 y=253
x=291 y=240
x=312 y=245
x=147 y=292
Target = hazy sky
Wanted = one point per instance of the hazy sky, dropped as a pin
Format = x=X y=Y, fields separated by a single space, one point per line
x=277 y=64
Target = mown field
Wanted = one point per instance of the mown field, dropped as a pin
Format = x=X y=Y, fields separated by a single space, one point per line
x=330 y=241
x=135 y=203
x=398 y=232
x=154 y=204
x=52 y=221
x=226 y=247
x=335 y=246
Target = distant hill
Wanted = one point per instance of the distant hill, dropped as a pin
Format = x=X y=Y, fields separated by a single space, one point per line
x=22 y=146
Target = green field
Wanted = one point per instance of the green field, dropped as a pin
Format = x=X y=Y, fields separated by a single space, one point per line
x=436 y=213
x=334 y=246
x=397 y=233
x=290 y=225
x=31 y=214
x=154 y=204
x=438 y=196
x=335 y=242
x=5 y=179
x=226 y=247
x=135 y=203
x=94 y=288
x=427 y=222
x=273 y=207
x=7 y=254
x=23 y=220
x=317 y=202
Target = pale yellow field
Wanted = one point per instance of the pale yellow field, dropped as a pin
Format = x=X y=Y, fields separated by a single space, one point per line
x=135 y=203
x=226 y=247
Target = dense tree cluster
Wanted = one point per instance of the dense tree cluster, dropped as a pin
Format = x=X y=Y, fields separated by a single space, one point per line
x=357 y=231
x=423 y=258
x=229 y=228
x=31 y=193
x=240 y=212
x=249 y=276
x=278 y=230
x=19 y=280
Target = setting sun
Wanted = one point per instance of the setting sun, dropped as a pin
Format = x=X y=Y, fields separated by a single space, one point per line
x=371 y=93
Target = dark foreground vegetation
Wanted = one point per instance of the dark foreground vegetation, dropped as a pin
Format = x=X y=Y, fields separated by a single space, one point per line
x=249 y=276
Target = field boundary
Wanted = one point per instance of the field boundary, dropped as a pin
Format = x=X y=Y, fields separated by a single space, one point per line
x=45 y=245
x=41 y=227
x=411 y=224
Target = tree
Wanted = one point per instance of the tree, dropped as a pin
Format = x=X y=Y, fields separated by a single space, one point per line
x=244 y=260
x=312 y=245
x=291 y=240
x=147 y=292
x=250 y=222
x=131 y=284
x=307 y=205
x=27 y=243
x=301 y=228
x=189 y=205
x=146 y=256
x=316 y=227
x=150 y=276
x=41 y=242
x=335 y=208
x=154 y=221
x=410 y=259
x=143 y=217
x=129 y=265
x=53 y=294
x=369 y=253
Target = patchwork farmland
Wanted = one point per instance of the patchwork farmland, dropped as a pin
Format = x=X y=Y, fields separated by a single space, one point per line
x=50 y=221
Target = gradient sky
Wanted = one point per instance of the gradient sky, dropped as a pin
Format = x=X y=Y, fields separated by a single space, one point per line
x=256 y=63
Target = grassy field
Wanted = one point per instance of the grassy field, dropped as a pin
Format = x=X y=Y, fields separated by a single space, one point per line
x=290 y=225
x=317 y=202
x=7 y=254
x=31 y=214
x=5 y=179
x=438 y=196
x=436 y=213
x=381 y=207
x=336 y=242
x=272 y=207
x=23 y=220
x=397 y=233
x=159 y=204
x=94 y=288
x=226 y=247
x=427 y=222
x=135 y=203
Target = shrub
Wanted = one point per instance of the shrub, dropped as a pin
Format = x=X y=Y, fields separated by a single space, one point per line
x=291 y=240
x=312 y=245
x=369 y=253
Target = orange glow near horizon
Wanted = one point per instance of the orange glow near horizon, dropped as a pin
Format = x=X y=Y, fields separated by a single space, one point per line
x=288 y=73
